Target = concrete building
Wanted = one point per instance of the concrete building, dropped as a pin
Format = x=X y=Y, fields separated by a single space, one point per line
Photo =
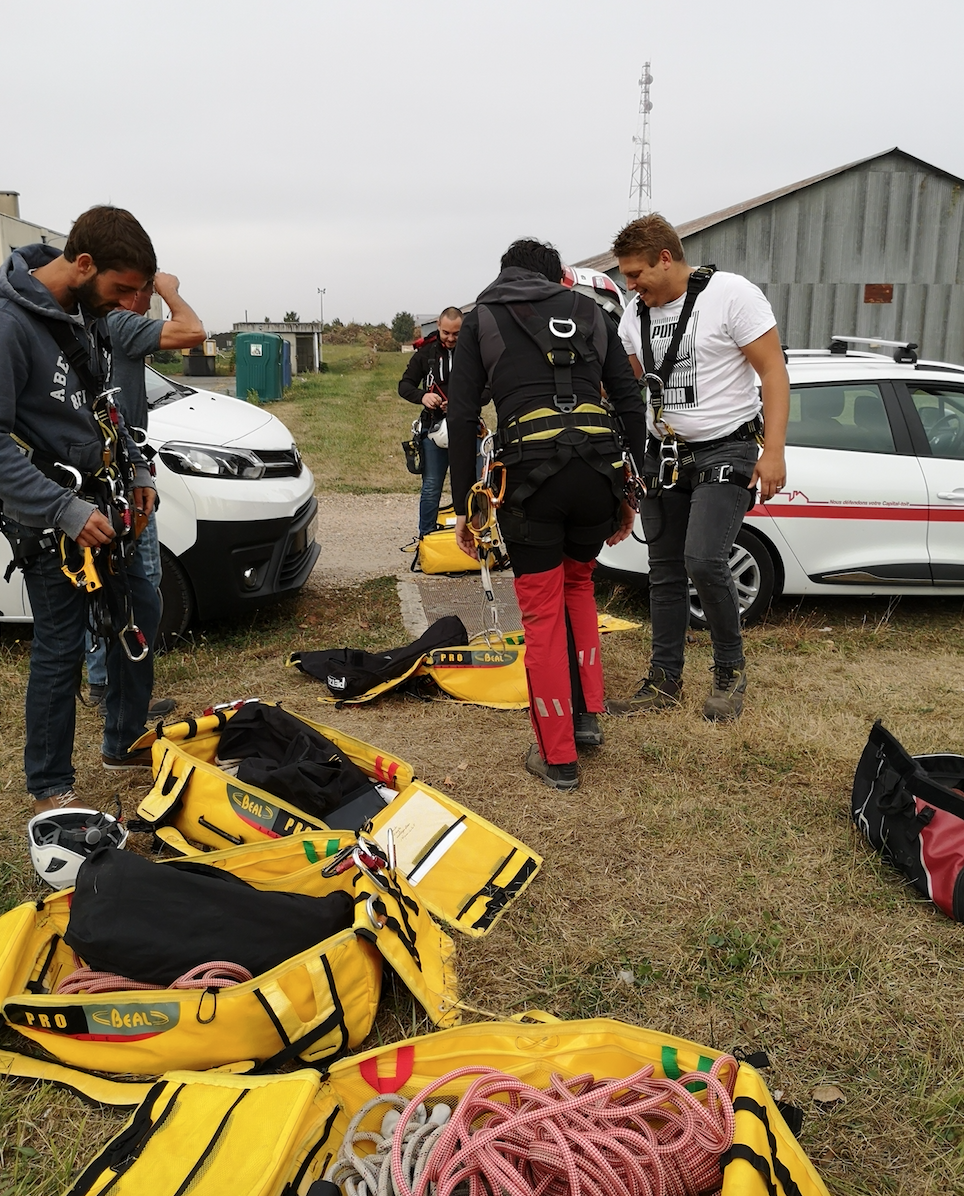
x=305 y=339
x=873 y=248
x=15 y=232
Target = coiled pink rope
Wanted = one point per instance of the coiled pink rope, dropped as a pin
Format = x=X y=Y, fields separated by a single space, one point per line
x=218 y=974
x=642 y=1136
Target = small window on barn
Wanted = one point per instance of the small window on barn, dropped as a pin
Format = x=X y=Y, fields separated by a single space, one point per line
x=850 y=417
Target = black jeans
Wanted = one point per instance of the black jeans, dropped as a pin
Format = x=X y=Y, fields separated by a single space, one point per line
x=56 y=653
x=689 y=532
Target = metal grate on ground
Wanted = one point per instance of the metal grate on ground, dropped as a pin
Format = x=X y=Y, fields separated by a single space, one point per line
x=425 y=599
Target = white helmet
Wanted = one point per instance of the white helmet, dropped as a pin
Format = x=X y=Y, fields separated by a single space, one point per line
x=599 y=287
x=60 y=841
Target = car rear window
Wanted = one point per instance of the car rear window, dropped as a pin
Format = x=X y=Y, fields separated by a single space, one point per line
x=848 y=416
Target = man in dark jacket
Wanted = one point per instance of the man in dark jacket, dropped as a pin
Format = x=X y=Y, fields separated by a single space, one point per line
x=426 y=382
x=544 y=351
x=52 y=467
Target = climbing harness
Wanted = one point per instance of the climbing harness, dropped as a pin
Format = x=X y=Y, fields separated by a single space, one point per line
x=101 y=573
x=656 y=379
x=672 y=452
x=484 y=500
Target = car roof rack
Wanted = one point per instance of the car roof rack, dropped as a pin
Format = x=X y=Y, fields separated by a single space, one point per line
x=904 y=351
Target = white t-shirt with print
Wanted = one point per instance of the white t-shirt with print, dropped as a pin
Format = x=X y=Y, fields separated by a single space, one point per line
x=712 y=389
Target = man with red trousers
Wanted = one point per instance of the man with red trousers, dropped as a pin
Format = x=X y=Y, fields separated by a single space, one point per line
x=544 y=351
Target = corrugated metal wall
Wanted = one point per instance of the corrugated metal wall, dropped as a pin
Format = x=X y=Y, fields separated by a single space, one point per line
x=889 y=220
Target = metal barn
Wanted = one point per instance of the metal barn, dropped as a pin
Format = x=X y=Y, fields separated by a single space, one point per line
x=874 y=248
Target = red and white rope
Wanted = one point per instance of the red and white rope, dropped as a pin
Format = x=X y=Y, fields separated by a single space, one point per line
x=217 y=974
x=641 y=1136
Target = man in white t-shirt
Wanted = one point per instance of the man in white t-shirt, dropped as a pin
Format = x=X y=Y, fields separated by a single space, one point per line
x=704 y=385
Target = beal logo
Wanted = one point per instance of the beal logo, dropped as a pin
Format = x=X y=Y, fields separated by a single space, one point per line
x=141 y=1019
x=337 y=682
x=252 y=806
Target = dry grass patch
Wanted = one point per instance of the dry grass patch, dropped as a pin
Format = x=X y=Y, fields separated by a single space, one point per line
x=715 y=863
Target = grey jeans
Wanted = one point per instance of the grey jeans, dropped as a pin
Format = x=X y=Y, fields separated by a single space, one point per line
x=689 y=532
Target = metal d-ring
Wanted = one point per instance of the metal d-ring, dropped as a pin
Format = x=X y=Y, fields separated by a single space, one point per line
x=556 y=327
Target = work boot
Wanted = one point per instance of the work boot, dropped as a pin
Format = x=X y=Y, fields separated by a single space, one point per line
x=655 y=693
x=587 y=730
x=726 y=693
x=59 y=801
x=140 y=759
x=556 y=776
x=160 y=707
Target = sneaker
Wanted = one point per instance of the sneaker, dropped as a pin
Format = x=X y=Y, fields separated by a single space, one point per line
x=161 y=707
x=412 y=546
x=141 y=759
x=556 y=776
x=726 y=693
x=657 y=692
x=587 y=730
x=59 y=801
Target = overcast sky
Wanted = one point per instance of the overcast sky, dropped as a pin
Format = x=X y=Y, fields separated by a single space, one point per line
x=389 y=152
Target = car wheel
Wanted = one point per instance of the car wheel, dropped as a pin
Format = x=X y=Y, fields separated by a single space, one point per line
x=177 y=600
x=752 y=569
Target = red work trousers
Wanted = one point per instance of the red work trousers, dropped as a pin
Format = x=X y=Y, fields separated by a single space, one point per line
x=547 y=600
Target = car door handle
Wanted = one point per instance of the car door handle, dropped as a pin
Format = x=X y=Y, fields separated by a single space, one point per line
x=952 y=495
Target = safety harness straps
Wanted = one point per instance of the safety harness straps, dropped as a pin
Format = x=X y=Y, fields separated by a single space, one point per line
x=563 y=339
x=657 y=377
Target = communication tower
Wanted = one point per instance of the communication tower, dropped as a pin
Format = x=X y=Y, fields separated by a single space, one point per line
x=641 y=186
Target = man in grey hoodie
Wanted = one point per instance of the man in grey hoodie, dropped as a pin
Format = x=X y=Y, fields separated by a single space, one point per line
x=48 y=384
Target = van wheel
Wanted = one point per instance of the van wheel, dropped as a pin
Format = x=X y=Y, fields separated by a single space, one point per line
x=177 y=600
x=751 y=567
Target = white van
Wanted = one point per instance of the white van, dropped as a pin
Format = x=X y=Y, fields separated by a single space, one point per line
x=237 y=515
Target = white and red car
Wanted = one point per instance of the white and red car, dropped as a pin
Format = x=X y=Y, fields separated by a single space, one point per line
x=874 y=501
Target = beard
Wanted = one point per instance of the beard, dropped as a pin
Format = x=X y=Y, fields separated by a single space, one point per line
x=88 y=295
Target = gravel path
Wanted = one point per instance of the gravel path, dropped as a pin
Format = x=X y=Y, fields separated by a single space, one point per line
x=360 y=536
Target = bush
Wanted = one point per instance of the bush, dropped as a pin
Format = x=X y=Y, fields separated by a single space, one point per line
x=403 y=327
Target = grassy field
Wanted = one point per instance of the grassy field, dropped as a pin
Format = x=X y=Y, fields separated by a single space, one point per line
x=350 y=422
x=717 y=864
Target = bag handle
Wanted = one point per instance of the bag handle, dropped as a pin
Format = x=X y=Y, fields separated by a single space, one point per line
x=95 y=1088
x=295 y=1033
x=534 y=1015
x=164 y=797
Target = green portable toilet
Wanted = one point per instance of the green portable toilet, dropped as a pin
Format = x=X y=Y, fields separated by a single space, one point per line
x=258 y=363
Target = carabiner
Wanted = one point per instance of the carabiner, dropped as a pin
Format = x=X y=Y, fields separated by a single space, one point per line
x=667 y=472
x=655 y=386
x=139 y=638
x=378 y=923
x=75 y=473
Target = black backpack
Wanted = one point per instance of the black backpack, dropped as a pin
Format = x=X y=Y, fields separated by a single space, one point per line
x=153 y=923
x=349 y=672
x=911 y=809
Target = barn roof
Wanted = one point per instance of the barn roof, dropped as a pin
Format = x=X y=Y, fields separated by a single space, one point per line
x=606 y=261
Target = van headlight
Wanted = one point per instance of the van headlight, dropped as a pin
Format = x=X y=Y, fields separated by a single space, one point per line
x=211 y=461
